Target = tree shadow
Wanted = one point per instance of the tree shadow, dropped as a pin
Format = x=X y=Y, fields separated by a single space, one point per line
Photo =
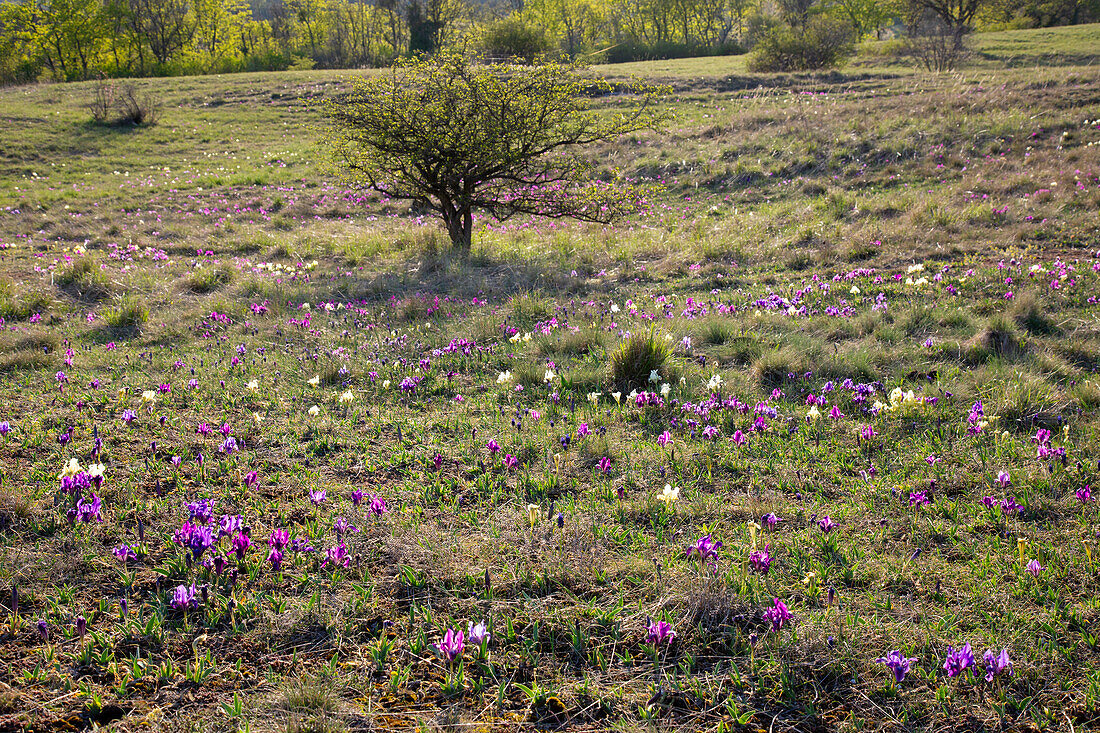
x=459 y=274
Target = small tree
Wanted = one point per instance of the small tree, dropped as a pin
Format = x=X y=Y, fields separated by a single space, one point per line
x=456 y=138
x=935 y=44
x=513 y=38
x=816 y=41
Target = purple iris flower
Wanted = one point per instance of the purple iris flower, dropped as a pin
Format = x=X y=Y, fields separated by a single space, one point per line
x=898 y=664
x=478 y=633
x=125 y=553
x=705 y=550
x=997 y=664
x=778 y=614
x=452 y=645
x=958 y=660
x=201 y=511
x=184 y=597
x=761 y=560
x=660 y=632
x=337 y=555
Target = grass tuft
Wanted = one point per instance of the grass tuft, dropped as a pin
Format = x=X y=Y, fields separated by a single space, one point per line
x=636 y=358
x=129 y=314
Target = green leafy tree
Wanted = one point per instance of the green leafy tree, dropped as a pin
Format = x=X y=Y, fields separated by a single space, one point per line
x=71 y=34
x=458 y=138
x=516 y=38
x=166 y=27
x=869 y=16
x=955 y=14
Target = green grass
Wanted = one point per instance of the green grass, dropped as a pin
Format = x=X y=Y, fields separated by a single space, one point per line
x=807 y=230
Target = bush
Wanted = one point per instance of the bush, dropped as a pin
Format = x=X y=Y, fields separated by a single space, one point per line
x=934 y=44
x=514 y=39
x=823 y=42
x=636 y=358
x=122 y=105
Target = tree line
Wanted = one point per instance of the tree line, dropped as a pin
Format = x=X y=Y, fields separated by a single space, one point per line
x=67 y=40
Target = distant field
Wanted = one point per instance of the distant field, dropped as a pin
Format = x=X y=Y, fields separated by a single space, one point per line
x=873 y=301
x=1045 y=47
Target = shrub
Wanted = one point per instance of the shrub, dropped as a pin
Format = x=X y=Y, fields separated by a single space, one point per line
x=122 y=105
x=933 y=43
x=456 y=138
x=514 y=39
x=823 y=42
x=636 y=358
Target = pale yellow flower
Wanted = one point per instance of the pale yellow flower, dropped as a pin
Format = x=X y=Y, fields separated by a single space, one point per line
x=669 y=495
x=70 y=469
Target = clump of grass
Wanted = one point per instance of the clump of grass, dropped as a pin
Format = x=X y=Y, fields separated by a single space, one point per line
x=130 y=314
x=581 y=381
x=527 y=310
x=27 y=352
x=412 y=310
x=208 y=279
x=716 y=332
x=529 y=375
x=15 y=508
x=771 y=369
x=636 y=358
x=998 y=338
x=1027 y=403
x=1030 y=316
x=311 y=706
x=20 y=307
x=331 y=374
x=1086 y=394
x=798 y=260
x=84 y=280
x=580 y=343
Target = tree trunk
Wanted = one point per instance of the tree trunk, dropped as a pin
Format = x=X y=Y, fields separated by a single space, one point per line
x=460 y=225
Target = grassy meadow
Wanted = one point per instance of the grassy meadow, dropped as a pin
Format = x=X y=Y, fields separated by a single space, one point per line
x=811 y=444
